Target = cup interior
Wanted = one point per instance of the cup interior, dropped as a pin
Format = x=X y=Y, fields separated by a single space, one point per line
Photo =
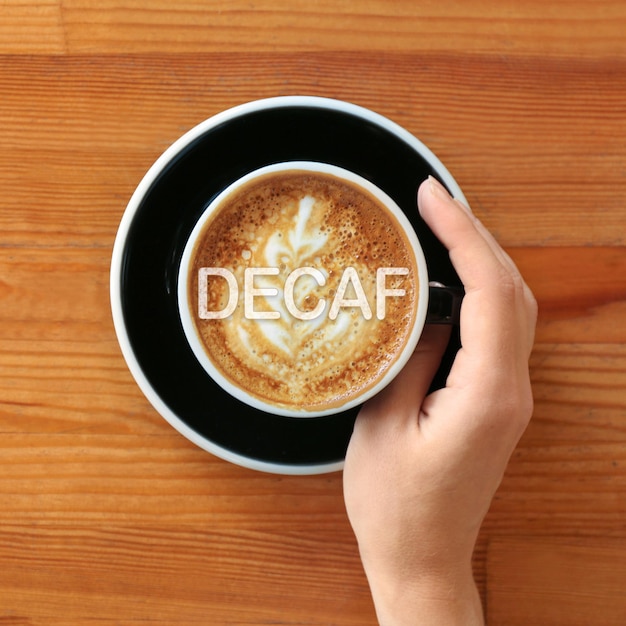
x=185 y=302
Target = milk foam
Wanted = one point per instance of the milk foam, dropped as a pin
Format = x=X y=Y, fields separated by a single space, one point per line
x=302 y=362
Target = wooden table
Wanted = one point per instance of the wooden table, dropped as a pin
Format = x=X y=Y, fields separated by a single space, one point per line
x=108 y=515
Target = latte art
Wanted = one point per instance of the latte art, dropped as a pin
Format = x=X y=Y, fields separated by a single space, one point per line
x=303 y=289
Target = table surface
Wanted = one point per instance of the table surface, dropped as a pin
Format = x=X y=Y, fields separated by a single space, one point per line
x=108 y=515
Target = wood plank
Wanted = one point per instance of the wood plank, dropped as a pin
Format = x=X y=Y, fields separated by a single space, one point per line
x=115 y=572
x=528 y=28
x=80 y=138
x=556 y=583
x=585 y=375
x=31 y=28
x=580 y=291
x=106 y=27
x=153 y=479
x=60 y=365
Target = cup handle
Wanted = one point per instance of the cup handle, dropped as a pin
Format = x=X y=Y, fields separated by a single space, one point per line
x=444 y=304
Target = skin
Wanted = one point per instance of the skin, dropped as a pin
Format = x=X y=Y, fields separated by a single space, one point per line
x=421 y=470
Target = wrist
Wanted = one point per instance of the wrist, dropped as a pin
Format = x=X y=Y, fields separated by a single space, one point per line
x=428 y=600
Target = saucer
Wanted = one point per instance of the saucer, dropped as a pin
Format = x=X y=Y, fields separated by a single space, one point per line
x=160 y=217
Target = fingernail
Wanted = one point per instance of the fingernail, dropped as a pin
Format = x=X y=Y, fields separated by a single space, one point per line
x=437 y=189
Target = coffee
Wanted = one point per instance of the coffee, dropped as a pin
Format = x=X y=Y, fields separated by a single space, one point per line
x=303 y=289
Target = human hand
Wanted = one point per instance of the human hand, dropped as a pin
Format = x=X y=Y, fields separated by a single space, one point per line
x=421 y=470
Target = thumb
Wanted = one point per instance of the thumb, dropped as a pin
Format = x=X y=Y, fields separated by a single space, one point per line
x=402 y=399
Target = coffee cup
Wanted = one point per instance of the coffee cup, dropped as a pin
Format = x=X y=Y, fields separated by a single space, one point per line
x=303 y=289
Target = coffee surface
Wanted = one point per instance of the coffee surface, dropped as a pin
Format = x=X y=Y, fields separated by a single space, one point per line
x=313 y=339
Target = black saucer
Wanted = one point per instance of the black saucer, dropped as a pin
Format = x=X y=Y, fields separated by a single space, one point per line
x=150 y=248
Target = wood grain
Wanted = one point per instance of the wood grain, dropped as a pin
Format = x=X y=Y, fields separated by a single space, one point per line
x=535 y=180
x=575 y=583
x=530 y=28
x=212 y=576
x=107 y=515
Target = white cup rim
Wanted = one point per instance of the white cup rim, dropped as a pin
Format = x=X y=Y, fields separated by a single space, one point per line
x=422 y=296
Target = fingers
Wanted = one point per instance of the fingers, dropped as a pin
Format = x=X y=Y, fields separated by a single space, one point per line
x=476 y=256
x=488 y=386
x=498 y=305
